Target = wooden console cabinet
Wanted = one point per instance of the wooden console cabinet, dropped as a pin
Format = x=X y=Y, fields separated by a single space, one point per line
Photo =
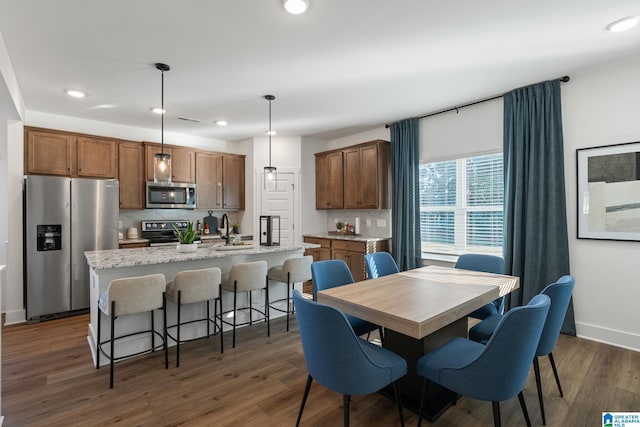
x=351 y=251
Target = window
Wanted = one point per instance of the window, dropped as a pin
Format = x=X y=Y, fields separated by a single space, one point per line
x=461 y=205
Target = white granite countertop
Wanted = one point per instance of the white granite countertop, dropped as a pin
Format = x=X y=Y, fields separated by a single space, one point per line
x=115 y=258
x=347 y=237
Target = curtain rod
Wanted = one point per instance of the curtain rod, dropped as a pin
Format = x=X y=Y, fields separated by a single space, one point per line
x=563 y=79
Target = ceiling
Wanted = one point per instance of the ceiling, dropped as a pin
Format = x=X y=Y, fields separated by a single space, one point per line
x=341 y=68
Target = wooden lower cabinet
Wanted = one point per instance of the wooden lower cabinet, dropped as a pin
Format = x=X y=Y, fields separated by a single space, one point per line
x=350 y=251
x=124 y=245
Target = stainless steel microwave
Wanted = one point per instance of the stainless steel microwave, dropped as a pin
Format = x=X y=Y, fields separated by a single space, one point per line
x=171 y=195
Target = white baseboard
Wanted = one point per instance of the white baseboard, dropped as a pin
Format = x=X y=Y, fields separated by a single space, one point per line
x=15 y=317
x=613 y=337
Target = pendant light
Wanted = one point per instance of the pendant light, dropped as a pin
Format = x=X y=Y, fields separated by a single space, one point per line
x=162 y=160
x=270 y=172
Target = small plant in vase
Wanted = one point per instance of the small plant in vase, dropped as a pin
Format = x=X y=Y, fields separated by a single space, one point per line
x=339 y=226
x=186 y=238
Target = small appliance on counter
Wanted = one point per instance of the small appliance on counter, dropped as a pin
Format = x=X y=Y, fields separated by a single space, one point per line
x=270 y=230
x=210 y=223
x=160 y=233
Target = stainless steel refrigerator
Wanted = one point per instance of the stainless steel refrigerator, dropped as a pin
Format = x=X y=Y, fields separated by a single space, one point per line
x=63 y=218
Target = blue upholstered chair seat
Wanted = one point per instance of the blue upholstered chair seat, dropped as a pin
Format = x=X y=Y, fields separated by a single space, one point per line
x=380 y=264
x=493 y=372
x=481 y=332
x=488 y=264
x=560 y=295
x=341 y=361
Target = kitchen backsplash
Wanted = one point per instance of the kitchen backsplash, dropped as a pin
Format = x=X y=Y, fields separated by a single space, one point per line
x=374 y=223
x=131 y=218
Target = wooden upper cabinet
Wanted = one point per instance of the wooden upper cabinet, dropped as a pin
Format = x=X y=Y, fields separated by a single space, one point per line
x=329 y=180
x=208 y=180
x=49 y=153
x=183 y=162
x=183 y=165
x=233 y=182
x=354 y=177
x=366 y=176
x=131 y=175
x=97 y=157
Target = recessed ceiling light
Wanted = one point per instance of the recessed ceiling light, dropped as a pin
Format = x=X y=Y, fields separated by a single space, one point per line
x=158 y=110
x=222 y=122
x=270 y=132
x=296 y=7
x=75 y=93
x=623 y=24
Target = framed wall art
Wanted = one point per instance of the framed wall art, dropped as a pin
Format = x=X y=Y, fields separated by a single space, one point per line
x=609 y=192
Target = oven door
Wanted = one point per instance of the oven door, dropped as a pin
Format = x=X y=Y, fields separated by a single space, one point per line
x=175 y=195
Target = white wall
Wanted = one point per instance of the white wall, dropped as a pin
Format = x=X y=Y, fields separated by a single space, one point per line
x=358 y=138
x=313 y=221
x=601 y=106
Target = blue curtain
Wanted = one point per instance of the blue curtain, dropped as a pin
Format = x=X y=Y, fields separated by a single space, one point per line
x=536 y=246
x=405 y=201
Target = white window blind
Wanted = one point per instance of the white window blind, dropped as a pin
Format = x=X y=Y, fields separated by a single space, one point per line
x=461 y=205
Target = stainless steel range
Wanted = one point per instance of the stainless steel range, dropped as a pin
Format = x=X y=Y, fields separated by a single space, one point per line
x=160 y=233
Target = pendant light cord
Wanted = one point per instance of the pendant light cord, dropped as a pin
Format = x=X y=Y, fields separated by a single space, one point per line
x=162 y=112
x=269 y=132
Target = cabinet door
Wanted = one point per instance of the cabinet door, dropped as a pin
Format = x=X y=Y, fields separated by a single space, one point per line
x=233 y=182
x=352 y=173
x=368 y=179
x=183 y=165
x=322 y=182
x=97 y=157
x=208 y=181
x=131 y=175
x=49 y=153
x=329 y=181
x=354 y=260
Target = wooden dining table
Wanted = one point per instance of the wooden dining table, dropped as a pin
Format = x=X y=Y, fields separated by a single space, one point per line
x=420 y=310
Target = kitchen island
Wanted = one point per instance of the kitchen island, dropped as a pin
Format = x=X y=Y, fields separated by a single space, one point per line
x=107 y=265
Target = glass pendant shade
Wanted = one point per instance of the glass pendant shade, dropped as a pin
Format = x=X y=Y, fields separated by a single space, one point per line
x=162 y=167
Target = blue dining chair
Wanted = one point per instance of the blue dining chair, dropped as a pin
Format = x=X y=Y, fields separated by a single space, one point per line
x=341 y=361
x=335 y=272
x=560 y=294
x=380 y=264
x=493 y=372
x=488 y=264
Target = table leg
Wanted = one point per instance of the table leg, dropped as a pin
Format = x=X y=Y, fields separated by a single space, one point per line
x=411 y=349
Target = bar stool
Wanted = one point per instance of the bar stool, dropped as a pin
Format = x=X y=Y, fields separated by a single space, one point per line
x=292 y=271
x=129 y=296
x=193 y=286
x=246 y=277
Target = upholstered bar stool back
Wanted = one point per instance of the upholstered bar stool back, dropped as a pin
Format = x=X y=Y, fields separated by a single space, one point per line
x=192 y=286
x=246 y=278
x=130 y=296
x=293 y=270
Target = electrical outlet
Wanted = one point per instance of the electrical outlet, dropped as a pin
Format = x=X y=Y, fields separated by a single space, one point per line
x=119 y=223
x=368 y=223
x=382 y=223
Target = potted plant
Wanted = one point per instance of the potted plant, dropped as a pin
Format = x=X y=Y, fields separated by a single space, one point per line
x=339 y=226
x=186 y=238
x=235 y=227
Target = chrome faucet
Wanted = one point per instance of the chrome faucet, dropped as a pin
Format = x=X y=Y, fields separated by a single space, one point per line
x=224 y=219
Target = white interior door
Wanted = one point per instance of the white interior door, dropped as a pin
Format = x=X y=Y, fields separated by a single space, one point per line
x=279 y=200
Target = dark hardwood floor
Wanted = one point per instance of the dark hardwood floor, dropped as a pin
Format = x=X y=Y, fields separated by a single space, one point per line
x=48 y=380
